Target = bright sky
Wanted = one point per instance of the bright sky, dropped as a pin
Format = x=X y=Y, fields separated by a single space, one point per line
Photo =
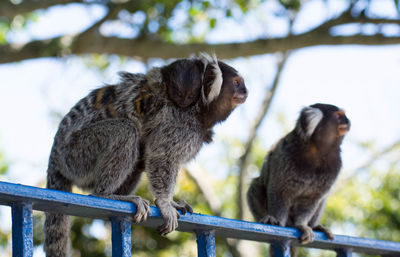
x=363 y=80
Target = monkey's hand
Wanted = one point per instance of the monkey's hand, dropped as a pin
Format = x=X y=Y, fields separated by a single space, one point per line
x=307 y=235
x=169 y=214
x=268 y=219
x=325 y=230
x=182 y=206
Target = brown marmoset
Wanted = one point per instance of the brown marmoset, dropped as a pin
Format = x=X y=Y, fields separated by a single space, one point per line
x=299 y=171
x=151 y=123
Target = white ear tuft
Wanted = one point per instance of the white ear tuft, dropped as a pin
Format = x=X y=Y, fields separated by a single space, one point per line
x=313 y=117
x=217 y=83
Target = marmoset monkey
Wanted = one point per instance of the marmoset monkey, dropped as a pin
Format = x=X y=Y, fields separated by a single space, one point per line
x=299 y=171
x=150 y=122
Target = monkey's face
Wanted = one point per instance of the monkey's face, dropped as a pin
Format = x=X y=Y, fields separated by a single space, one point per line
x=233 y=90
x=333 y=124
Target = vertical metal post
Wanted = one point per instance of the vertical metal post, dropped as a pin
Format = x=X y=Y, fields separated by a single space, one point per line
x=22 y=230
x=205 y=243
x=344 y=252
x=281 y=249
x=121 y=237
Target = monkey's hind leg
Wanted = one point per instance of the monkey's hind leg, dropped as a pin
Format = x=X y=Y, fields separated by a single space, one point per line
x=257 y=200
x=114 y=146
x=182 y=206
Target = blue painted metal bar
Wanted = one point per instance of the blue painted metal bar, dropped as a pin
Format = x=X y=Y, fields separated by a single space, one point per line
x=281 y=249
x=205 y=243
x=95 y=207
x=344 y=252
x=22 y=230
x=121 y=237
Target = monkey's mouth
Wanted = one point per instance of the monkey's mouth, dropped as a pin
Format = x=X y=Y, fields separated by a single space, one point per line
x=343 y=129
x=239 y=99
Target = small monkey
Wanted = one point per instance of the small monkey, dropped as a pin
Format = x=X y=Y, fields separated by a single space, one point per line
x=151 y=123
x=299 y=171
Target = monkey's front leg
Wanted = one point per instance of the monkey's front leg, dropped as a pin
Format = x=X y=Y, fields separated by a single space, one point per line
x=162 y=176
x=278 y=207
x=303 y=212
x=314 y=221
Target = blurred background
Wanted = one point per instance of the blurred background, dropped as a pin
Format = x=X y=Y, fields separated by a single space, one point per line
x=292 y=53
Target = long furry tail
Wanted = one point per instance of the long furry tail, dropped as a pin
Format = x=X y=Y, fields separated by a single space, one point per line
x=57 y=226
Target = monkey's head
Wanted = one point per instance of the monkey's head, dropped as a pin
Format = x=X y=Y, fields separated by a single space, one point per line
x=183 y=79
x=323 y=124
x=223 y=89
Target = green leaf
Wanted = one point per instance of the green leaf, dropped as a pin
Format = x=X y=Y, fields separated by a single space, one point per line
x=291 y=4
x=213 y=23
x=3 y=165
x=397 y=3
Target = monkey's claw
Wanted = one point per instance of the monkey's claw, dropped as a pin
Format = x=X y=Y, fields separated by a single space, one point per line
x=268 y=219
x=182 y=206
x=307 y=235
x=169 y=214
x=142 y=205
x=324 y=230
x=142 y=209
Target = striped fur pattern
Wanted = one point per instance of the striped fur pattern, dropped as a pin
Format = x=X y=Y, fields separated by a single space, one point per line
x=115 y=133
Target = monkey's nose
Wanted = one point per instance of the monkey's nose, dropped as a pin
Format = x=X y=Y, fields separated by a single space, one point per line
x=343 y=120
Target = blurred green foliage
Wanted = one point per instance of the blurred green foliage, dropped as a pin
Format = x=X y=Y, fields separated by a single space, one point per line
x=3 y=164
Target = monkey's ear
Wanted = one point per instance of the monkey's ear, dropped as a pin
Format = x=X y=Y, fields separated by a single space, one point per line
x=212 y=78
x=310 y=117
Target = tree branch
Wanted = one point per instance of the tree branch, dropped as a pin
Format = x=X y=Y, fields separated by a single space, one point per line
x=347 y=18
x=205 y=188
x=146 y=48
x=374 y=157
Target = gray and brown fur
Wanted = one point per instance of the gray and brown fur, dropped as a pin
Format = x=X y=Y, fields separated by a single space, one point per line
x=299 y=171
x=119 y=131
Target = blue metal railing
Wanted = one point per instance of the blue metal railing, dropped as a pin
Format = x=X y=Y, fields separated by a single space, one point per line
x=24 y=199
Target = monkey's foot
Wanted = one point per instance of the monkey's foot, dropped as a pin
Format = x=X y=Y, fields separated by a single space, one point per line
x=169 y=214
x=307 y=235
x=142 y=205
x=182 y=206
x=268 y=219
x=325 y=230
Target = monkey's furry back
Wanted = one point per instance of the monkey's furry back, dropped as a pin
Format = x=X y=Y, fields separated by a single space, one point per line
x=140 y=99
x=288 y=166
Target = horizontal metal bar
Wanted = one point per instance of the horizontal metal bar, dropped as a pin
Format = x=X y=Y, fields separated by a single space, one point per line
x=95 y=207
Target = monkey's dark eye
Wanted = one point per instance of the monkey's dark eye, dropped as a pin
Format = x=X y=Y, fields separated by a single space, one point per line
x=236 y=82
